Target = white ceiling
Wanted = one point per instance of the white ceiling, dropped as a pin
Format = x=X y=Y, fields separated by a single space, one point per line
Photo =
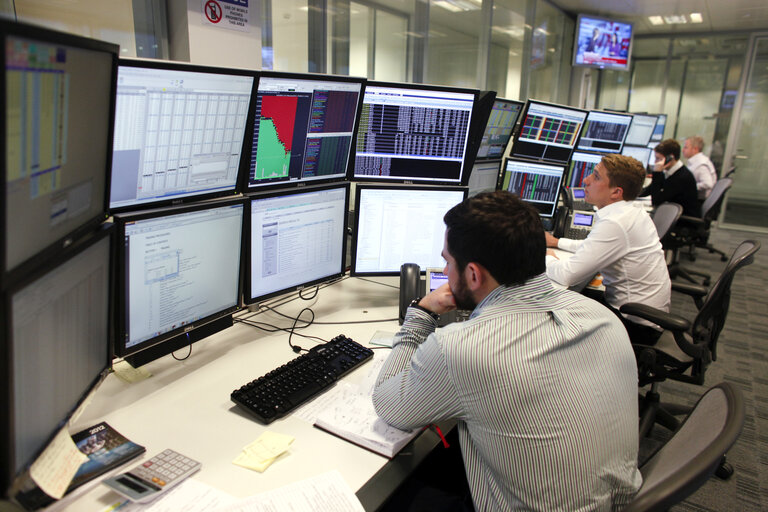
x=719 y=15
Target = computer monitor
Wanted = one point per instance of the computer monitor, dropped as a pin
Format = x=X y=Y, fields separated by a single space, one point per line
x=484 y=177
x=604 y=131
x=658 y=130
x=297 y=238
x=179 y=133
x=303 y=129
x=641 y=129
x=498 y=131
x=55 y=345
x=581 y=165
x=59 y=92
x=549 y=132
x=643 y=154
x=414 y=133
x=403 y=224
x=178 y=276
x=537 y=184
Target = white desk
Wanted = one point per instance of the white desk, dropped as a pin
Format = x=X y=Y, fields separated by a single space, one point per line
x=185 y=405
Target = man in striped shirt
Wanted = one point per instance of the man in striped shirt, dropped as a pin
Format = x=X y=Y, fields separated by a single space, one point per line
x=542 y=381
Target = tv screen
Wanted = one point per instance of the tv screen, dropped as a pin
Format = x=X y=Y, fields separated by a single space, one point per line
x=536 y=184
x=297 y=238
x=602 y=43
x=498 y=131
x=548 y=132
x=179 y=132
x=414 y=133
x=303 y=129
x=58 y=102
x=396 y=225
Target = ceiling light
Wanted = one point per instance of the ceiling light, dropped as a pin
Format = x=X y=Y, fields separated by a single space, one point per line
x=696 y=17
x=457 y=5
x=656 y=20
x=676 y=19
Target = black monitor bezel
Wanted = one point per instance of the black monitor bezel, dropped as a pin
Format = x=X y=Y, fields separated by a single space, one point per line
x=393 y=186
x=21 y=30
x=521 y=120
x=245 y=151
x=249 y=189
x=465 y=169
x=248 y=299
x=609 y=113
x=658 y=118
x=563 y=176
x=121 y=305
x=8 y=472
x=499 y=158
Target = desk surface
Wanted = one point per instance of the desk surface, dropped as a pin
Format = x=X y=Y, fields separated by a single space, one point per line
x=185 y=405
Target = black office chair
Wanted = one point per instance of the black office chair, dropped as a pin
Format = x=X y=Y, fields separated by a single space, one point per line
x=693 y=232
x=694 y=452
x=685 y=349
x=665 y=217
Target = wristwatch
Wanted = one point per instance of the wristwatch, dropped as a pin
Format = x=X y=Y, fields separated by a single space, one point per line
x=415 y=304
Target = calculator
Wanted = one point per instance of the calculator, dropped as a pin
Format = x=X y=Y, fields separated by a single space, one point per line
x=150 y=479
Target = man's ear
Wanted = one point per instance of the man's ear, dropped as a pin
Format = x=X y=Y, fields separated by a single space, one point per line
x=617 y=193
x=474 y=276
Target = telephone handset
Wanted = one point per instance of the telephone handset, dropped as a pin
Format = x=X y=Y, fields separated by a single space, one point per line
x=667 y=159
x=575 y=209
x=410 y=287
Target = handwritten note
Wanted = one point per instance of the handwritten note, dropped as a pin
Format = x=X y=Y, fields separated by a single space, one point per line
x=57 y=465
x=128 y=373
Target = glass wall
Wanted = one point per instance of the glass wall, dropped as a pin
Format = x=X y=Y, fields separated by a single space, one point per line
x=551 y=44
x=505 y=61
x=453 y=43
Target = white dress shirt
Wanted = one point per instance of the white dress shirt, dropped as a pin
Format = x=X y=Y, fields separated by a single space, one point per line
x=704 y=171
x=624 y=247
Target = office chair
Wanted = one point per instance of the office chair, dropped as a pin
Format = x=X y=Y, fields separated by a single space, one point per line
x=665 y=217
x=694 y=232
x=685 y=349
x=692 y=455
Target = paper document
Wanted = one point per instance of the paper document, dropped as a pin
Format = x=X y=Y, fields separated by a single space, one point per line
x=56 y=466
x=328 y=491
x=189 y=496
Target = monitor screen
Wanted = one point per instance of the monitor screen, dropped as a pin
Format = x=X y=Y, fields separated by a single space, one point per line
x=179 y=269
x=484 y=177
x=537 y=184
x=642 y=153
x=604 y=131
x=59 y=106
x=581 y=166
x=57 y=330
x=396 y=225
x=602 y=43
x=179 y=132
x=414 y=133
x=498 y=131
x=548 y=132
x=298 y=238
x=303 y=129
x=658 y=130
x=641 y=129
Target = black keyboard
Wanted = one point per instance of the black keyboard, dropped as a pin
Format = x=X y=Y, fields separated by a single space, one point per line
x=283 y=389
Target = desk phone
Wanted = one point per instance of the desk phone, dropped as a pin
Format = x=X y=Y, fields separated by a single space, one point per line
x=576 y=197
x=580 y=225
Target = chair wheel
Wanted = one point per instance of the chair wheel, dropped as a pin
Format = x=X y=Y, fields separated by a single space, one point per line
x=724 y=471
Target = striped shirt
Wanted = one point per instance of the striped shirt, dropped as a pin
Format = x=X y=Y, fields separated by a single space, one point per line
x=543 y=383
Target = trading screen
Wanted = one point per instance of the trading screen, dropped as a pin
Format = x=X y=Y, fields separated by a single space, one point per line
x=536 y=184
x=642 y=153
x=604 y=132
x=658 y=130
x=413 y=134
x=581 y=166
x=303 y=129
x=549 y=132
x=640 y=130
x=499 y=129
x=178 y=133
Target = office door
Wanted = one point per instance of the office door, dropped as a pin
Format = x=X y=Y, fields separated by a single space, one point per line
x=746 y=202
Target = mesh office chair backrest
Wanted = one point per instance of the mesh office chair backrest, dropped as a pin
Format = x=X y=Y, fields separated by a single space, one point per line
x=665 y=216
x=711 y=207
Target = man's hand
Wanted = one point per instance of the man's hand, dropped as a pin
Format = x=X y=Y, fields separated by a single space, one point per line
x=550 y=252
x=551 y=240
x=439 y=301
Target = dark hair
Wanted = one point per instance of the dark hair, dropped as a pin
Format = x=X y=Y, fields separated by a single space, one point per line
x=500 y=232
x=668 y=147
x=625 y=172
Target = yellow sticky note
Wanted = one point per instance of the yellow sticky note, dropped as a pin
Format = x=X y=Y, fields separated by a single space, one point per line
x=245 y=461
x=57 y=465
x=259 y=454
x=128 y=373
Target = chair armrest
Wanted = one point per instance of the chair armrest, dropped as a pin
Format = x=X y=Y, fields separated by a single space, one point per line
x=692 y=220
x=691 y=289
x=661 y=318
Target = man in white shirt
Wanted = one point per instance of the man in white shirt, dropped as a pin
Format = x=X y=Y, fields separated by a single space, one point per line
x=623 y=246
x=700 y=165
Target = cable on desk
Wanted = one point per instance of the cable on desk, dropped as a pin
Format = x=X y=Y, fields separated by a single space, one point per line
x=275 y=328
x=379 y=283
x=269 y=308
x=297 y=348
x=317 y=290
x=173 y=354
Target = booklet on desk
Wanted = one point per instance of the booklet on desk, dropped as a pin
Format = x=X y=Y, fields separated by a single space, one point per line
x=353 y=418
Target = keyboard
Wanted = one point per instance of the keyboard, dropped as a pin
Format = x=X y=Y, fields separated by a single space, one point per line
x=282 y=390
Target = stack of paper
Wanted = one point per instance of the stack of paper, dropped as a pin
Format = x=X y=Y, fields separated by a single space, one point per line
x=263 y=451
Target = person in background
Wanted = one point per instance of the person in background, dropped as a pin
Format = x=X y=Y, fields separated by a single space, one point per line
x=700 y=165
x=671 y=180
